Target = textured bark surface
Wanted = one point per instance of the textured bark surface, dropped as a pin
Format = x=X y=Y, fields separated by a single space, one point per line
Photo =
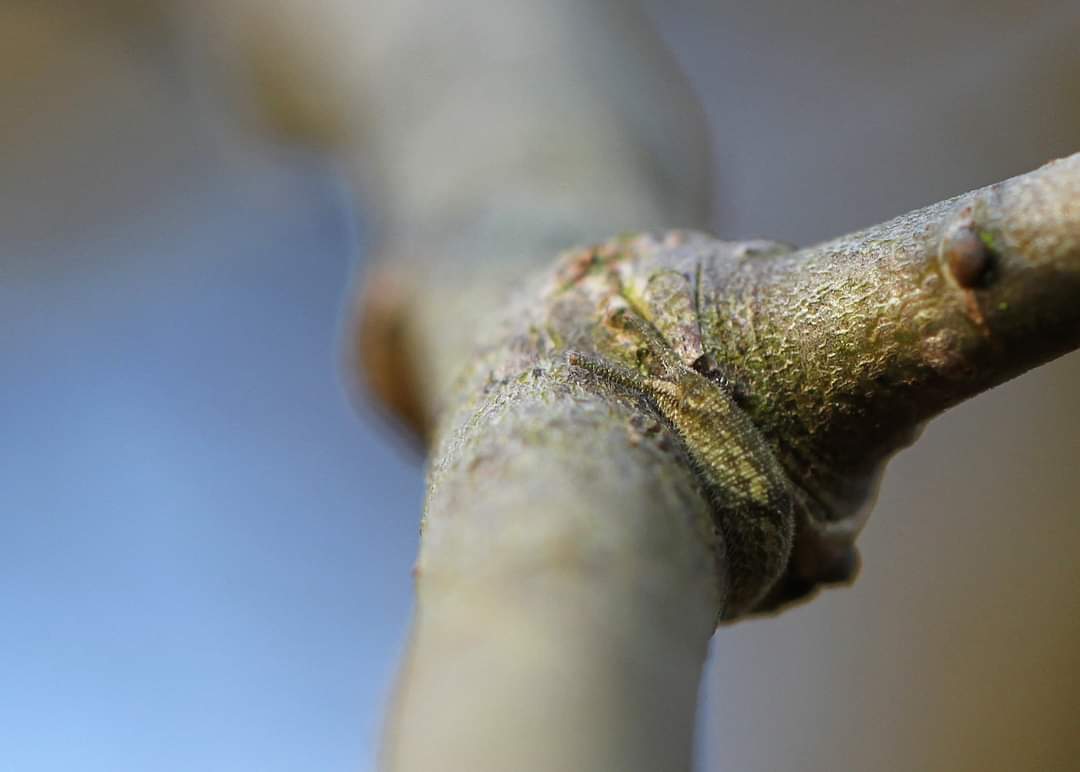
x=572 y=443
x=834 y=355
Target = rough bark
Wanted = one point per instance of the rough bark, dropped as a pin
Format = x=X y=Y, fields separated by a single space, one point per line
x=555 y=499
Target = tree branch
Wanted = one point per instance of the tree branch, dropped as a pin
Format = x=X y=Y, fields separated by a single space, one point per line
x=573 y=545
x=657 y=431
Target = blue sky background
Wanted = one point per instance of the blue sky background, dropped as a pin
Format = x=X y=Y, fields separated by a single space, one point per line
x=204 y=549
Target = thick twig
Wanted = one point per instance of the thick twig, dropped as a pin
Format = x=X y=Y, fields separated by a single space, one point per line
x=584 y=523
x=563 y=512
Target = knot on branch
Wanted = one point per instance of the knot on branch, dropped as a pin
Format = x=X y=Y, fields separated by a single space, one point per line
x=626 y=317
x=787 y=378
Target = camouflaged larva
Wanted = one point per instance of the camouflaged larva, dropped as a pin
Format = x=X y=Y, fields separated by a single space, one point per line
x=649 y=338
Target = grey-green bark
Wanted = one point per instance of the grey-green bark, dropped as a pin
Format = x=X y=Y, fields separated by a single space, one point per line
x=573 y=545
x=551 y=489
x=836 y=353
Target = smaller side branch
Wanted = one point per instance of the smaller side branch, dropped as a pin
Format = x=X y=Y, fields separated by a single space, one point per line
x=843 y=350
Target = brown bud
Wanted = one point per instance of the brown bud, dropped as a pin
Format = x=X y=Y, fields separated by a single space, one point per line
x=969 y=259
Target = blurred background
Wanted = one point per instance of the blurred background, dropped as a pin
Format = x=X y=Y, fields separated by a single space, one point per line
x=205 y=545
